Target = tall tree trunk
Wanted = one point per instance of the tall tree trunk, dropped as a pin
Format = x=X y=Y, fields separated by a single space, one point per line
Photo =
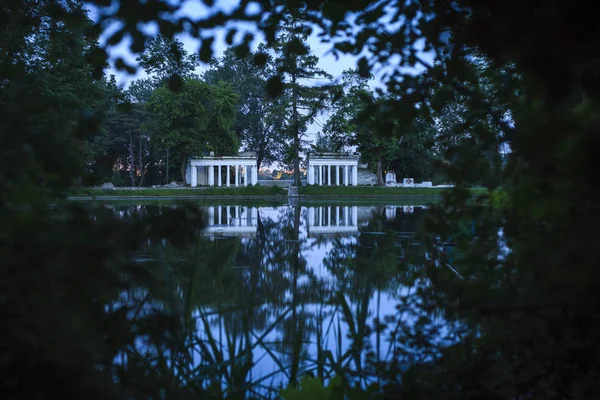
x=296 y=133
x=131 y=159
x=380 y=180
x=167 y=176
x=182 y=170
x=259 y=159
x=141 y=163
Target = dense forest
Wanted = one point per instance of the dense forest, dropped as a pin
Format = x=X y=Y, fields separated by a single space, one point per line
x=74 y=302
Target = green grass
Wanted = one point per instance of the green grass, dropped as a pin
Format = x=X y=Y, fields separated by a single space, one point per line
x=212 y=191
x=375 y=191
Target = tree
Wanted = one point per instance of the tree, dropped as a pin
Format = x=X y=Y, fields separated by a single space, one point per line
x=340 y=128
x=416 y=155
x=295 y=65
x=196 y=119
x=165 y=60
x=259 y=119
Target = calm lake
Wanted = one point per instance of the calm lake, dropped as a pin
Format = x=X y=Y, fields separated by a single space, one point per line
x=275 y=293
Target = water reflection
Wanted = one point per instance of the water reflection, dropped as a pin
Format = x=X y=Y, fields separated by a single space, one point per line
x=289 y=291
x=231 y=220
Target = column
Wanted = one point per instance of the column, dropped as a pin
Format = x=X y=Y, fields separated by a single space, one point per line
x=355 y=175
x=309 y=175
x=194 y=177
x=211 y=216
x=328 y=216
x=220 y=215
x=237 y=176
x=254 y=175
x=219 y=176
x=346 y=215
x=228 y=212
x=320 y=175
x=227 y=179
x=211 y=175
x=329 y=175
x=246 y=175
x=337 y=175
x=346 y=175
x=254 y=214
x=354 y=215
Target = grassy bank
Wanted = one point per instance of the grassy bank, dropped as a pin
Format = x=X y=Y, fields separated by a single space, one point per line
x=184 y=192
x=366 y=191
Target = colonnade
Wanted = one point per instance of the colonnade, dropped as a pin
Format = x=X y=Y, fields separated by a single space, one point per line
x=221 y=174
x=232 y=216
x=333 y=219
x=332 y=174
x=231 y=221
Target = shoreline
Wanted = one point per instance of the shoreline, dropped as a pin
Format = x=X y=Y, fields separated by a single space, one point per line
x=271 y=194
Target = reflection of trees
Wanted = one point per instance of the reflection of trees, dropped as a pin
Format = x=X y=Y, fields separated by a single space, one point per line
x=245 y=298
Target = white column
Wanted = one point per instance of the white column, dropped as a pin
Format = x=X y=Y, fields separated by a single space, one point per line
x=346 y=216
x=246 y=175
x=228 y=213
x=309 y=175
x=355 y=175
x=219 y=175
x=211 y=216
x=328 y=216
x=194 y=177
x=211 y=175
x=220 y=215
x=227 y=178
x=354 y=216
x=321 y=175
x=346 y=175
x=254 y=175
x=329 y=175
x=337 y=175
x=237 y=176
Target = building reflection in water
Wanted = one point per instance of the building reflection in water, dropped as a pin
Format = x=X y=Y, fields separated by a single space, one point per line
x=332 y=219
x=231 y=221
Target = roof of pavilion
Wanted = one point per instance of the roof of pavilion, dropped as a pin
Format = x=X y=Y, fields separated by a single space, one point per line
x=333 y=156
x=241 y=156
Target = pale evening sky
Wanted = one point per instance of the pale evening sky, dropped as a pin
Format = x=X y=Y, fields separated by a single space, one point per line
x=196 y=9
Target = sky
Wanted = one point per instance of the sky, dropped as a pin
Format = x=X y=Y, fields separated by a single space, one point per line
x=196 y=8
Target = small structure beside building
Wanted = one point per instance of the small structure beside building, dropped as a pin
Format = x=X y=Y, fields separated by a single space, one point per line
x=390 y=179
x=222 y=170
x=332 y=169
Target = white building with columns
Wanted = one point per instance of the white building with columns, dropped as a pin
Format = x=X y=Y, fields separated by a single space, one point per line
x=332 y=169
x=332 y=220
x=231 y=221
x=222 y=170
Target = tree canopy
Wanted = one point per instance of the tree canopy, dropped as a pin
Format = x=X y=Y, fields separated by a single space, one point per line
x=521 y=288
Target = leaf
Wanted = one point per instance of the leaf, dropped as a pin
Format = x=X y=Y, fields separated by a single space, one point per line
x=206 y=49
x=242 y=50
x=230 y=35
x=175 y=83
x=364 y=70
x=260 y=59
x=275 y=86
